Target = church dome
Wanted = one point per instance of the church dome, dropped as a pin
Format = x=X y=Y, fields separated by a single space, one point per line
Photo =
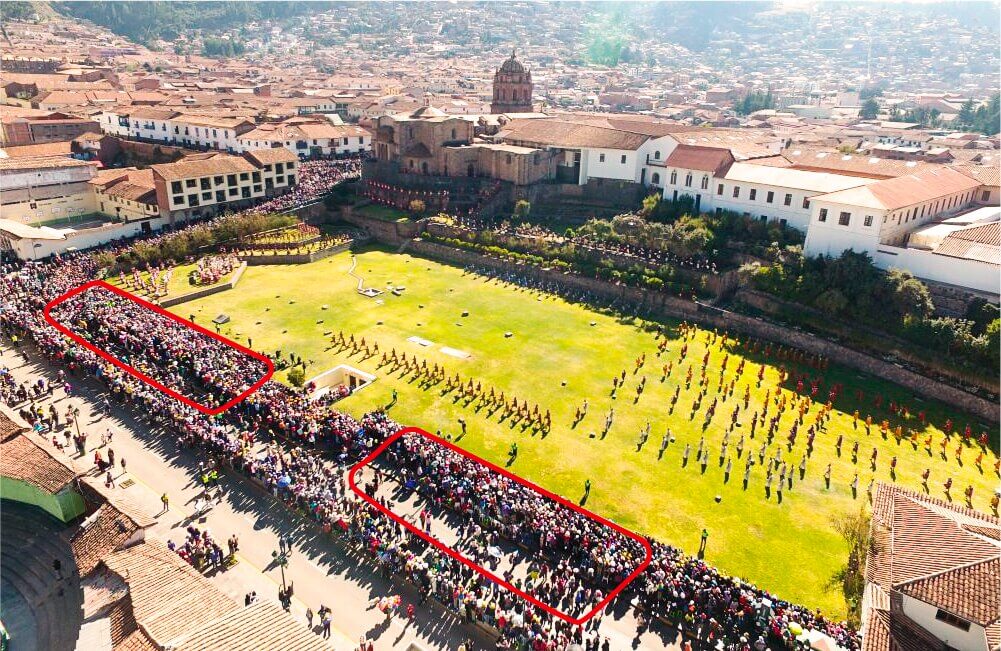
x=512 y=64
x=428 y=111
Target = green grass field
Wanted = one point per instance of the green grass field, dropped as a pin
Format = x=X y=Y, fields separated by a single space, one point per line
x=561 y=353
x=178 y=284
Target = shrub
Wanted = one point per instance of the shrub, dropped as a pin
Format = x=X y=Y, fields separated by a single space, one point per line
x=296 y=376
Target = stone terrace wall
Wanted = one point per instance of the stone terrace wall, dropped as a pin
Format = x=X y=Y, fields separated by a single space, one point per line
x=205 y=291
x=774 y=306
x=676 y=308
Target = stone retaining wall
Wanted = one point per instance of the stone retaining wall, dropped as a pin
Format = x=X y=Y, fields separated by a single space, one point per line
x=675 y=308
x=296 y=258
x=205 y=291
x=890 y=345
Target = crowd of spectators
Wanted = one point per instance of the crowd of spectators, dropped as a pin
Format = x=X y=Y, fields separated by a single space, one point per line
x=315 y=179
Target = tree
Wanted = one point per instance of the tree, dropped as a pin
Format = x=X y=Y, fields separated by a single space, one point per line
x=417 y=207
x=967 y=113
x=870 y=110
x=909 y=295
x=832 y=302
x=522 y=208
x=854 y=528
x=650 y=204
x=296 y=376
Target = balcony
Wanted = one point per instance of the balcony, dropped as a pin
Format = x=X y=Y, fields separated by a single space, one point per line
x=656 y=162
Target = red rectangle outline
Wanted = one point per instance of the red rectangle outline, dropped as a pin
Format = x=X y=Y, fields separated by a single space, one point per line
x=211 y=411
x=482 y=570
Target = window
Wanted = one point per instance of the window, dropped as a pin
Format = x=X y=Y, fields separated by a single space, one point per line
x=719 y=189
x=705 y=182
x=770 y=197
x=279 y=168
x=232 y=192
x=231 y=179
x=256 y=176
x=952 y=620
x=736 y=191
x=190 y=183
x=674 y=177
x=179 y=199
x=844 y=218
x=688 y=180
x=244 y=176
x=986 y=196
x=218 y=180
x=623 y=161
x=601 y=158
x=823 y=215
x=204 y=183
x=753 y=195
x=655 y=179
x=175 y=186
x=868 y=220
x=656 y=156
x=806 y=203
x=788 y=200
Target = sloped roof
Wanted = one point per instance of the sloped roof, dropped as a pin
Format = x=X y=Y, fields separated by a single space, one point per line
x=903 y=191
x=262 y=625
x=792 y=178
x=709 y=159
x=27 y=457
x=981 y=243
x=105 y=531
x=169 y=597
x=559 y=133
x=970 y=592
x=938 y=552
x=188 y=168
x=272 y=155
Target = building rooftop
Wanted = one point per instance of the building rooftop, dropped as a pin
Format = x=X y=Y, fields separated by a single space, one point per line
x=793 y=178
x=904 y=191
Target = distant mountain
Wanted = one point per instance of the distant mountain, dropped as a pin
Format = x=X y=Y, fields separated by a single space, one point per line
x=144 y=22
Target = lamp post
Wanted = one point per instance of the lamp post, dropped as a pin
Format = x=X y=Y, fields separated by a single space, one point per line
x=281 y=559
x=76 y=419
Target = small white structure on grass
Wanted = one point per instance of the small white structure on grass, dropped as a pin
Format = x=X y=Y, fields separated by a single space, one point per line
x=341 y=375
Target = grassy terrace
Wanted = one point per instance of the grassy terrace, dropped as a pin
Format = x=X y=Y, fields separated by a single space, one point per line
x=178 y=284
x=561 y=354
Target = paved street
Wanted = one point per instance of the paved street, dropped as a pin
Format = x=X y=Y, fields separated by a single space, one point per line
x=322 y=570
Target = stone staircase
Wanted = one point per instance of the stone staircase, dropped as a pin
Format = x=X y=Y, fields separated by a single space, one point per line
x=40 y=610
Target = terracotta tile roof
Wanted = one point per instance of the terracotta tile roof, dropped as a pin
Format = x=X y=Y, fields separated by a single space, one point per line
x=268 y=156
x=943 y=554
x=877 y=632
x=981 y=243
x=907 y=635
x=558 y=133
x=263 y=625
x=693 y=157
x=189 y=169
x=29 y=458
x=41 y=162
x=101 y=533
x=986 y=174
x=903 y=191
x=170 y=599
x=970 y=592
x=10 y=424
x=826 y=160
x=63 y=148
